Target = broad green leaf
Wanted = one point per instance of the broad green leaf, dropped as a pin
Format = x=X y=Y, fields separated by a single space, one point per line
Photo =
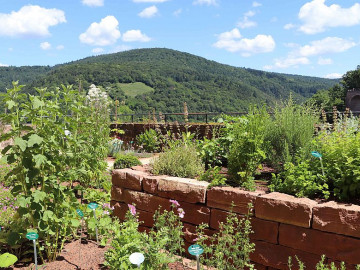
x=39 y=159
x=37 y=103
x=10 y=104
x=38 y=196
x=48 y=215
x=7 y=260
x=21 y=143
x=75 y=222
x=34 y=139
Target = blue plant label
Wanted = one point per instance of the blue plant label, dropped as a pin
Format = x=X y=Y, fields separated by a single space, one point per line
x=137 y=258
x=195 y=250
x=316 y=154
x=80 y=213
x=32 y=236
x=93 y=205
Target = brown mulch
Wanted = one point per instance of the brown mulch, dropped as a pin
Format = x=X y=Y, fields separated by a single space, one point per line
x=91 y=258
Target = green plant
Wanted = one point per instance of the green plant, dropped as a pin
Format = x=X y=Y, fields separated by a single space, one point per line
x=5 y=178
x=7 y=206
x=59 y=146
x=321 y=265
x=179 y=160
x=290 y=132
x=125 y=161
x=302 y=179
x=7 y=260
x=230 y=248
x=149 y=140
x=128 y=240
x=213 y=176
x=247 y=149
x=115 y=147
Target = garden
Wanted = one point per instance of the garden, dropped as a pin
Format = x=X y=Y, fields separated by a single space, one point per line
x=56 y=188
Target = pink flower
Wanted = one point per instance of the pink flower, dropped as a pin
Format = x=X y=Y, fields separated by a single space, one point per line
x=181 y=212
x=106 y=212
x=175 y=202
x=132 y=209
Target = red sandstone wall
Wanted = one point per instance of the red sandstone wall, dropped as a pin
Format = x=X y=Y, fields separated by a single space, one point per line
x=283 y=225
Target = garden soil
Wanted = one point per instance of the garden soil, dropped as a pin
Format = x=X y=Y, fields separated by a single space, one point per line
x=91 y=258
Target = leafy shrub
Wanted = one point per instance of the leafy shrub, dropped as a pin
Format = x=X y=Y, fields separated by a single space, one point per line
x=213 y=176
x=303 y=179
x=229 y=248
x=153 y=245
x=7 y=206
x=149 y=140
x=5 y=169
x=321 y=265
x=114 y=147
x=126 y=161
x=179 y=160
x=341 y=159
x=247 y=149
x=290 y=132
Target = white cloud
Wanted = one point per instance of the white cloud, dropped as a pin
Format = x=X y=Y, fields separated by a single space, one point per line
x=3 y=65
x=149 y=12
x=45 y=45
x=245 y=22
x=11 y=49
x=60 y=47
x=30 y=21
x=256 y=4
x=325 y=61
x=97 y=50
x=291 y=62
x=93 y=3
x=333 y=76
x=177 y=12
x=317 y=16
x=206 y=2
x=232 y=41
x=326 y=45
x=135 y=35
x=102 y=34
x=288 y=26
x=150 y=1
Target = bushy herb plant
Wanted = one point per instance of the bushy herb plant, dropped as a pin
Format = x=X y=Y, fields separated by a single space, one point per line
x=180 y=159
x=213 y=176
x=247 y=149
x=230 y=248
x=321 y=265
x=125 y=161
x=149 y=140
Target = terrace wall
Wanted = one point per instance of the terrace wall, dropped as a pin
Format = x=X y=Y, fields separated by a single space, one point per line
x=283 y=225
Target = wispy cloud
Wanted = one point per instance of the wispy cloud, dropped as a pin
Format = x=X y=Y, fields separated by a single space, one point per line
x=149 y=12
x=93 y=3
x=206 y=2
x=333 y=76
x=135 y=35
x=45 y=45
x=245 y=22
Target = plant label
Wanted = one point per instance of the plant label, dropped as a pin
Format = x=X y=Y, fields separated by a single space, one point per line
x=80 y=213
x=316 y=154
x=137 y=258
x=32 y=236
x=93 y=205
x=195 y=250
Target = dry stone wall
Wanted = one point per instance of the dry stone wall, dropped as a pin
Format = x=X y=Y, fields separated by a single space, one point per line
x=283 y=225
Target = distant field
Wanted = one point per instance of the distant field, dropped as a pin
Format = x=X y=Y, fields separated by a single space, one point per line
x=134 y=89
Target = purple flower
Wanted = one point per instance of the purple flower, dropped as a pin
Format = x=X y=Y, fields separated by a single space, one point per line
x=106 y=212
x=132 y=209
x=181 y=212
x=175 y=202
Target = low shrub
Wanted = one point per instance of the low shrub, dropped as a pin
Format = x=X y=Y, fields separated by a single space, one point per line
x=149 y=140
x=179 y=160
x=125 y=161
x=213 y=176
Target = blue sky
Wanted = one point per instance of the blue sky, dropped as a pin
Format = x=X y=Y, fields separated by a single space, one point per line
x=314 y=37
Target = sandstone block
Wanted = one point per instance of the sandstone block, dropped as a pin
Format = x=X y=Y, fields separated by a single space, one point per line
x=338 y=247
x=263 y=229
x=276 y=256
x=224 y=197
x=337 y=218
x=285 y=209
x=182 y=189
x=195 y=213
x=150 y=183
x=117 y=194
x=145 y=201
x=120 y=210
x=127 y=178
x=145 y=218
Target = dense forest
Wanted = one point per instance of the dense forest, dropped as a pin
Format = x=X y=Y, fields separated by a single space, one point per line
x=174 y=76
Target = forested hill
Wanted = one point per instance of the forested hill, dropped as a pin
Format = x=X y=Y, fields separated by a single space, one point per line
x=174 y=77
